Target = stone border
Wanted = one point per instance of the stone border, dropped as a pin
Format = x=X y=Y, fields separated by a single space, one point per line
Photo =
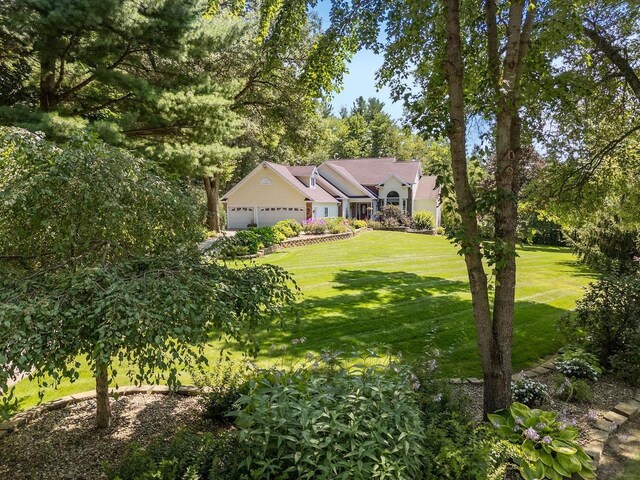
x=602 y=429
x=545 y=367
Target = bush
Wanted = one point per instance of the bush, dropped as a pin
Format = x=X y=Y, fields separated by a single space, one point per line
x=332 y=424
x=246 y=242
x=187 y=456
x=546 y=447
x=456 y=449
x=358 y=224
x=440 y=231
x=607 y=320
x=375 y=225
x=392 y=216
x=578 y=391
x=314 y=226
x=423 y=220
x=221 y=387
x=529 y=392
x=578 y=364
x=336 y=225
x=289 y=228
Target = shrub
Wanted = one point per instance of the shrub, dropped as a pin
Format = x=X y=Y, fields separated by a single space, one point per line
x=578 y=391
x=440 y=231
x=288 y=228
x=358 y=224
x=578 y=364
x=392 y=216
x=529 y=392
x=186 y=456
x=336 y=225
x=607 y=320
x=424 y=220
x=314 y=226
x=456 y=449
x=375 y=225
x=332 y=424
x=547 y=447
x=221 y=387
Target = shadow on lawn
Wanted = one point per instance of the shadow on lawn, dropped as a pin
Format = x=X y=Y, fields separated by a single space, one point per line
x=406 y=311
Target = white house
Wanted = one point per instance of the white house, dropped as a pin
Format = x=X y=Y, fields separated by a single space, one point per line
x=352 y=188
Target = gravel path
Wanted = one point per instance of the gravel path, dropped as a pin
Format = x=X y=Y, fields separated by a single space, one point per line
x=622 y=453
x=65 y=444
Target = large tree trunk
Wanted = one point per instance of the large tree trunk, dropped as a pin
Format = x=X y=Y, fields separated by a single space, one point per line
x=47 y=75
x=212 y=187
x=470 y=240
x=102 y=398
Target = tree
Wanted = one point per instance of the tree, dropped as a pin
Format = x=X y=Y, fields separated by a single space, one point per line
x=465 y=65
x=99 y=261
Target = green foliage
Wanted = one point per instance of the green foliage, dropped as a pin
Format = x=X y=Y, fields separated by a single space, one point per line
x=336 y=225
x=375 y=225
x=289 y=228
x=456 y=449
x=186 y=456
x=607 y=320
x=548 y=448
x=578 y=391
x=608 y=245
x=334 y=423
x=222 y=386
x=424 y=220
x=102 y=265
x=529 y=392
x=246 y=242
x=579 y=364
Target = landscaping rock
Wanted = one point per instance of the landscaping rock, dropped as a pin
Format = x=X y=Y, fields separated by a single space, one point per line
x=627 y=408
x=615 y=417
x=605 y=425
x=594 y=450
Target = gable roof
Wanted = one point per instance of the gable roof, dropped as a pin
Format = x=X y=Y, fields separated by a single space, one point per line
x=317 y=194
x=301 y=170
x=350 y=178
x=427 y=188
x=373 y=171
x=326 y=185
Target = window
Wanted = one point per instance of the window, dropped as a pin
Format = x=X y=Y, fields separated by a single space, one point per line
x=312 y=181
x=326 y=211
x=265 y=181
x=393 y=198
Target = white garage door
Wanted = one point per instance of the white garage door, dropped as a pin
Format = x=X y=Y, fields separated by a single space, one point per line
x=268 y=216
x=239 y=217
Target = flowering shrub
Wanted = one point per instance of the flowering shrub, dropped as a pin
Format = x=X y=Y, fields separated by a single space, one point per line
x=358 y=224
x=336 y=225
x=548 y=448
x=529 y=392
x=326 y=423
x=579 y=365
x=314 y=226
x=392 y=216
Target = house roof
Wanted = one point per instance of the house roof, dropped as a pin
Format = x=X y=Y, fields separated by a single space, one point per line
x=427 y=189
x=317 y=194
x=373 y=171
x=350 y=178
x=326 y=185
x=301 y=170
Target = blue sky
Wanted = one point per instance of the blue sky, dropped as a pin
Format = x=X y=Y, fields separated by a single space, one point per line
x=361 y=79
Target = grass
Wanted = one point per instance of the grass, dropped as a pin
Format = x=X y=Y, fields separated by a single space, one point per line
x=402 y=290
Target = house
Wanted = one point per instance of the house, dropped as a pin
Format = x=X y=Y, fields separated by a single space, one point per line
x=351 y=188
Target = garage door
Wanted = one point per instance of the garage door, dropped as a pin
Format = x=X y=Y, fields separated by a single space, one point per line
x=268 y=216
x=239 y=217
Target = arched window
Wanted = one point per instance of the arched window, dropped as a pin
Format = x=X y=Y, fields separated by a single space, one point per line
x=393 y=198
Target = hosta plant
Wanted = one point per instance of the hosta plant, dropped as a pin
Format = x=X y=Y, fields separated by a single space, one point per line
x=580 y=365
x=529 y=392
x=548 y=447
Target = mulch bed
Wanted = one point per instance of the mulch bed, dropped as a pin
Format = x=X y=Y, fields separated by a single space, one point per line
x=607 y=392
x=65 y=444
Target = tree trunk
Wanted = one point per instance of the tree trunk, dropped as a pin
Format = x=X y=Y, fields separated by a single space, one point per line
x=212 y=187
x=102 y=398
x=47 y=75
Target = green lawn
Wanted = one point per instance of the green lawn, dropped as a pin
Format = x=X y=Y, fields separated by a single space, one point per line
x=401 y=289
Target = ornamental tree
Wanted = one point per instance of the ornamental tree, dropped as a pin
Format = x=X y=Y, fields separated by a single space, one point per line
x=99 y=264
